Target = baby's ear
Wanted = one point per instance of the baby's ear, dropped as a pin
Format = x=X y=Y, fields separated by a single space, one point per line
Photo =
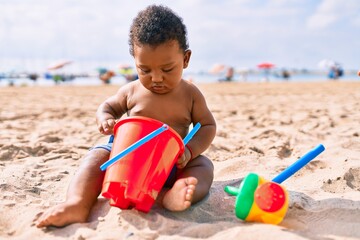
x=187 y=56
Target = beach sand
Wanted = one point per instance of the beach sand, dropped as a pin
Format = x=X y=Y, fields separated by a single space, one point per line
x=262 y=128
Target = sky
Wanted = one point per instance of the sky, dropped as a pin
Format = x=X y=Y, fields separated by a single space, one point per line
x=239 y=33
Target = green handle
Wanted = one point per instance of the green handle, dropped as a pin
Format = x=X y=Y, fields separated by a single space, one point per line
x=232 y=190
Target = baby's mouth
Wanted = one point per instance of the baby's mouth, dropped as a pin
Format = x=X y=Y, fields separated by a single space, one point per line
x=157 y=86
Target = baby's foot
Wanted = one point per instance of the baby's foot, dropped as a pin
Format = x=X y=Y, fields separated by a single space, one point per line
x=179 y=197
x=62 y=214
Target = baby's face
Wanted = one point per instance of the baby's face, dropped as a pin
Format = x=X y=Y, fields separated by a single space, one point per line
x=160 y=68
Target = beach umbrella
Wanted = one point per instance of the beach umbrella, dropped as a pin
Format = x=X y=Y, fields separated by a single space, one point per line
x=326 y=63
x=101 y=70
x=124 y=66
x=217 y=68
x=243 y=70
x=126 y=69
x=58 y=65
x=265 y=65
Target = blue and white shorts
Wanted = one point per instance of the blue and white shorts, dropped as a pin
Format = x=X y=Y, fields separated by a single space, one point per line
x=107 y=146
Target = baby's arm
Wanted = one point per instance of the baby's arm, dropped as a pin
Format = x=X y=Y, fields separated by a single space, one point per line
x=205 y=135
x=110 y=110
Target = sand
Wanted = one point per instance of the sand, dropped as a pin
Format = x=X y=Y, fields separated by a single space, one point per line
x=262 y=128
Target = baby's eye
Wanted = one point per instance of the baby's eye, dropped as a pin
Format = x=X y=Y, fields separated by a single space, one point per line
x=168 y=70
x=144 y=70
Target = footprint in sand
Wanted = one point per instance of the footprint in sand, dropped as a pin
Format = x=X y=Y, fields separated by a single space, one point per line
x=351 y=179
x=10 y=152
x=257 y=150
x=222 y=134
x=267 y=134
x=49 y=139
x=315 y=164
x=351 y=144
x=284 y=150
x=38 y=150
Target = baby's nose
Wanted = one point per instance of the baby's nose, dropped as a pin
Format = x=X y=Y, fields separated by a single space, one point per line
x=157 y=77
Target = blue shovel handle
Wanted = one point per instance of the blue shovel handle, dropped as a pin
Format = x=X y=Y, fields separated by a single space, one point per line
x=296 y=166
x=191 y=133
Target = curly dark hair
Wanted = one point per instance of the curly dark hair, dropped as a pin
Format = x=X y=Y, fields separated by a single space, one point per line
x=156 y=25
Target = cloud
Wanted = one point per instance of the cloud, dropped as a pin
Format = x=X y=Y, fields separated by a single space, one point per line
x=237 y=32
x=329 y=12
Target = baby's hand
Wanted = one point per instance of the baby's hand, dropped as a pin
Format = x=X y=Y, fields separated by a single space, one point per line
x=184 y=159
x=107 y=127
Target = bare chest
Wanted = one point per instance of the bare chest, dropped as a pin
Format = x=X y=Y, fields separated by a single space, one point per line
x=174 y=111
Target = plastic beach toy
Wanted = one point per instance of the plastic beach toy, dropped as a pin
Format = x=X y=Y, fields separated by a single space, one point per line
x=259 y=200
x=143 y=154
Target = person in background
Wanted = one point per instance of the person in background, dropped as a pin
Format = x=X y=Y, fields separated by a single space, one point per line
x=106 y=75
x=228 y=75
x=285 y=74
x=335 y=72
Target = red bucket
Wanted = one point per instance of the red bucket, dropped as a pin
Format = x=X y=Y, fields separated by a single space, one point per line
x=137 y=178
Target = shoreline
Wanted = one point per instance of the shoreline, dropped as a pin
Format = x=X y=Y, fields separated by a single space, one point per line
x=196 y=78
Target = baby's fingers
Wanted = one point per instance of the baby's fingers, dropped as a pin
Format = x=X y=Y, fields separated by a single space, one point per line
x=107 y=126
x=181 y=163
x=111 y=124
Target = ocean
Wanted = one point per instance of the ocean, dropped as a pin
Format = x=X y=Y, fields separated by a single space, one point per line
x=195 y=77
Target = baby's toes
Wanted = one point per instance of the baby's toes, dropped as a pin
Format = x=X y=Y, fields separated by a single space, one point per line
x=189 y=194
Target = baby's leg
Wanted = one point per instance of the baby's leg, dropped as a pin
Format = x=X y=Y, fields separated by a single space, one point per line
x=82 y=193
x=191 y=186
